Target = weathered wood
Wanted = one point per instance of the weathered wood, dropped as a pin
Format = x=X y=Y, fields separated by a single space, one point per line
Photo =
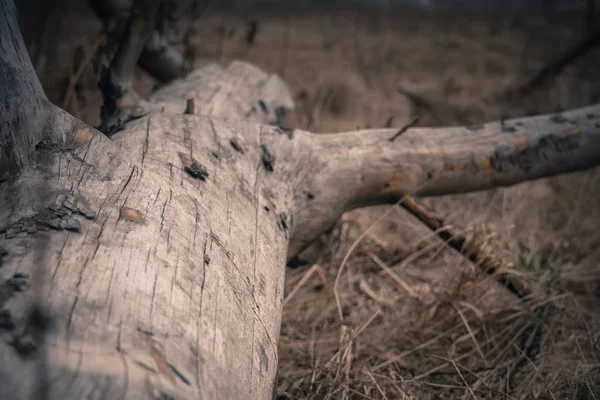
x=365 y=168
x=158 y=254
x=24 y=94
x=167 y=258
x=164 y=271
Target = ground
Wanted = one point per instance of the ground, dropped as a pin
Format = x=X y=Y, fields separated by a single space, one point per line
x=420 y=322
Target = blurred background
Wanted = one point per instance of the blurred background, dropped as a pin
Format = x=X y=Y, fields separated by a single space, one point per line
x=421 y=321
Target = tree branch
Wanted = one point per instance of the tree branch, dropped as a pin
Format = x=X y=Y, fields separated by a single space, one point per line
x=115 y=82
x=470 y=248
x=362 y=168
x=23 y=104
x=555 y=67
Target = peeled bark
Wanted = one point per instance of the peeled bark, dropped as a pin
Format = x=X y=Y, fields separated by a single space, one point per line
x=151 y=264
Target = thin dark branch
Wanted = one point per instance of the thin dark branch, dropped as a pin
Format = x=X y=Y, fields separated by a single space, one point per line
x=116 y=80
x=469 y=248
x=554 y=68
x=404 y=128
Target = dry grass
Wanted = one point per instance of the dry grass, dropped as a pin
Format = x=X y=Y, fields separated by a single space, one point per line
x=414 y=320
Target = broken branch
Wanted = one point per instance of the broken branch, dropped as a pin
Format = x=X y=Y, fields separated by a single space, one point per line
x=357 y=169
x=470 y=248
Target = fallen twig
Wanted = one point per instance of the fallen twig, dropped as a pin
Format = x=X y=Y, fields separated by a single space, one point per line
x=404 y=128
x=459 y=242
x=307 y=275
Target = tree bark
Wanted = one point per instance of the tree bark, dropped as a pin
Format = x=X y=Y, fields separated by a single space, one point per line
x=161 y=270
x=151 y=264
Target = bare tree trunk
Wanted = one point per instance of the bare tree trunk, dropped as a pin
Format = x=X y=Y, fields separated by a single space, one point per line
x=158 y=264
x=151 y=264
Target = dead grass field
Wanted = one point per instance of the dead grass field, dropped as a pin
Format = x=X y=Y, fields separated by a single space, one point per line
x=420 y=322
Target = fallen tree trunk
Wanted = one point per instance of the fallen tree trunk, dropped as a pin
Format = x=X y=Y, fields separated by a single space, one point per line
x=151 y=264
x=158 y=267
